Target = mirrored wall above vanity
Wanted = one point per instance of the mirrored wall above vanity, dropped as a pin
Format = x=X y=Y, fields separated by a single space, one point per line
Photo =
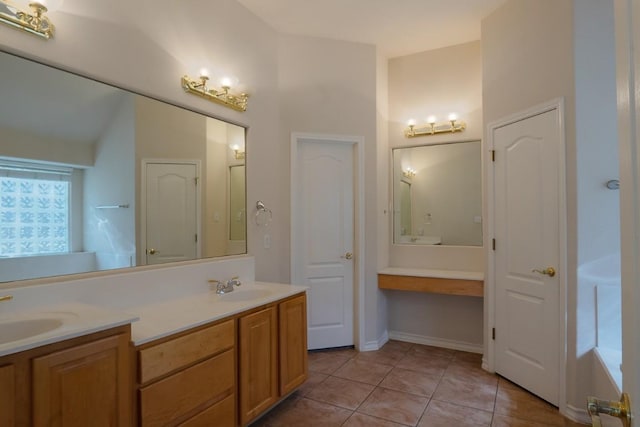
x=139 y=181
x=437 y=194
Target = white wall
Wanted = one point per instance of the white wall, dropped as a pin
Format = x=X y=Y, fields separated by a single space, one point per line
x=110 y=233
x=597 y=162
x=329 y=86
x=532 y=56
x=435 y=82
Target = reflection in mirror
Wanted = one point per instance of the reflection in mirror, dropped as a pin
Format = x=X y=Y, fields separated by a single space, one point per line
x=438 y=194
x=94 y=178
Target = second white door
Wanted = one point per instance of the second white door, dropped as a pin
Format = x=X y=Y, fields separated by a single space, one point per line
x=323 y=233
x=527 y=252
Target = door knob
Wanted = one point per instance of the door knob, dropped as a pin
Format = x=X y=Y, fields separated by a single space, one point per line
x=549 y=271
x=348 y=255
x=621 y=409
x=151 y=251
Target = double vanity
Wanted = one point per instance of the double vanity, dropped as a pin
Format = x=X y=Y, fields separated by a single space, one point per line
x=114 y=350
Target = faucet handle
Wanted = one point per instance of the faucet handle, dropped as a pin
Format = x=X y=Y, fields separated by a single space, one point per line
x=235 y=280
x=214 y=282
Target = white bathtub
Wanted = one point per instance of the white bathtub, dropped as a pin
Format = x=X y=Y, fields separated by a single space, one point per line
x=603 y=276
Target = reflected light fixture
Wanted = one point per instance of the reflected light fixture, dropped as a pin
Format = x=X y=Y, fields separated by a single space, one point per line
x=32 y=20
x=409 y=173
x=219 y=96
x=432 y=127
x=237 y=152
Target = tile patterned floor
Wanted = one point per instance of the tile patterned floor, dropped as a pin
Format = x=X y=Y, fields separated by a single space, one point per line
x=407 y=384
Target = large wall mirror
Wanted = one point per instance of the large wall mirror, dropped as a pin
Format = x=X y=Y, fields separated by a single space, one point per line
x=93 y=177
x=437 y=194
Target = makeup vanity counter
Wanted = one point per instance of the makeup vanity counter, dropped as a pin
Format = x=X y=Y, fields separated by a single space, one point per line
x=450 y=282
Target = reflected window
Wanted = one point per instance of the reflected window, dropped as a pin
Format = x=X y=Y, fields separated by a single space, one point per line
x=34 y=210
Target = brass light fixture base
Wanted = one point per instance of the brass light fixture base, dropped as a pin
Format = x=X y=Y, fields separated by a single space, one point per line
x=34 y=22
x=199 y=87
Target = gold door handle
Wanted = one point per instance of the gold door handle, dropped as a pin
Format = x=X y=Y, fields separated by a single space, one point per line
x=151 y=251
x=348 y=255
x=549 y=271
x=621 y=409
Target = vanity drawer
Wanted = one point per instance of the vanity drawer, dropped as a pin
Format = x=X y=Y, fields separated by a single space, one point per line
x=221 y=414
x=172 y=355
x=188 y=391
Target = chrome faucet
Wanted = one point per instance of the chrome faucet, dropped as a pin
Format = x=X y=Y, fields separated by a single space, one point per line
x=225 y=287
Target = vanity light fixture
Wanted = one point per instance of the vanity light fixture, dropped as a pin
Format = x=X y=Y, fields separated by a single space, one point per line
x=409 y=173
x=219 y=96
x=432 y=127
x=237 y=152
x=33 y=21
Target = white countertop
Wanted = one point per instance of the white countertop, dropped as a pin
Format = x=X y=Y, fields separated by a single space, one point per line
x=157 y=319
x=165 y=318
x=76 y=319
x=440 y=274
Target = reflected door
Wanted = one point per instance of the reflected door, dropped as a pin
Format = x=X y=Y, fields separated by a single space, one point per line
x=527 y=238
x=171 y=212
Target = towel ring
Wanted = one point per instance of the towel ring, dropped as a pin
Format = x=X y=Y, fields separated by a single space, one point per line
x=263 y=214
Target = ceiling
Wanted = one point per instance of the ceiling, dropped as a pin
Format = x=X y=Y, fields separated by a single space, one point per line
x=396 y=27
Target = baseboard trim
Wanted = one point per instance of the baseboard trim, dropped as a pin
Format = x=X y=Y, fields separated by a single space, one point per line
x=578 y=415
x=435 y=342
x=376 y=345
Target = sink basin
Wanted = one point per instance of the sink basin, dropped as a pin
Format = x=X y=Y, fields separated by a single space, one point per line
x=245 y=295
x=20 y=329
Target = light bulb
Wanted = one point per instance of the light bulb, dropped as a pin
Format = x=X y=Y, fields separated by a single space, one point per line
x=225 y=82
x=431 y=120
x=453 y=117
x=411 y=122
x=235 y=147
x=204 y=72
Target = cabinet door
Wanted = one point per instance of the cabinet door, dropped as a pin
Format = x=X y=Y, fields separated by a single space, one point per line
x=7 y=396
x=258 y=363
x=293 y=343
x=87 y=385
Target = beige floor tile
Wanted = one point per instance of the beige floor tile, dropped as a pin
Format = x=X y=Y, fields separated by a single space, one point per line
x=470 y=372
x=326 y=362
x=362 y=420
x=304 y=412
x=443 y=414
x=396 y=406
x=462 y=392
x=383 y=357
x=370 y=373
x=411 y=382
x=397 y=346
x=516 y=402
x=313 y=379
x=427 y=365
x=340 y=392
x=430 y=351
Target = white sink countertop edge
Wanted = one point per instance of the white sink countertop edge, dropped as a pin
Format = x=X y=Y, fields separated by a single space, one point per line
x=148 y=322
x=162 y=319
x=77 y=319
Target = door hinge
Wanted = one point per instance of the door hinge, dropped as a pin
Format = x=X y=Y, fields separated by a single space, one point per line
x=493 y=244
x=493 y=155
x=196 y=179
x=493 y=333
x=196 y=238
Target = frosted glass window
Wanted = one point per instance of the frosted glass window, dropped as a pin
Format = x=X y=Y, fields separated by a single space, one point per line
x=34 y=211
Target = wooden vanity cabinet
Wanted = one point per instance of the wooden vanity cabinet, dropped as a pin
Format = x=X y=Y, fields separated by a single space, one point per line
x=273 y=355
x=258 y=363
x=78 y=382
x=189 y=379
x=292 y=328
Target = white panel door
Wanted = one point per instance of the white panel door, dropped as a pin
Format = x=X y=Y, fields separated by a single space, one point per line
x=171 y=212
x=324 y=234
x=526 y=226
